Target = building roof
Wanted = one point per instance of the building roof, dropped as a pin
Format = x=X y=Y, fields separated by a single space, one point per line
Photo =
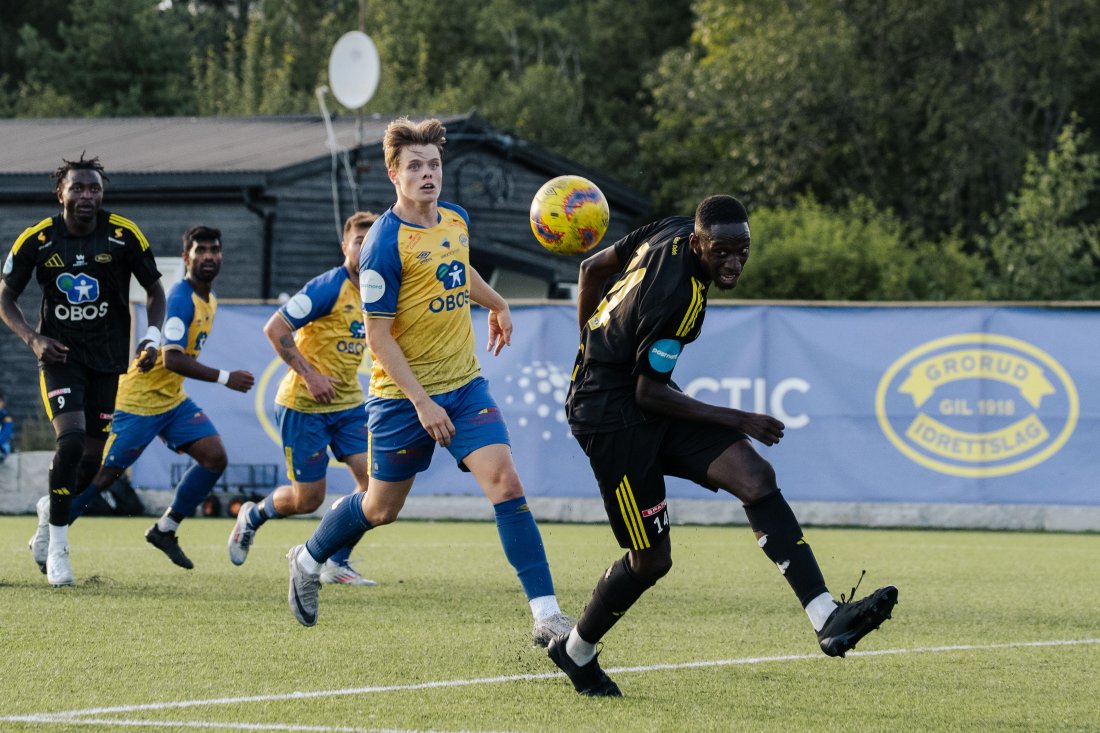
x=139 y=145
x=173 y=153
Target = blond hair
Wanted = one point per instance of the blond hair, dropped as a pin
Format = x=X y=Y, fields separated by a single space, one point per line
x=403 y=133
x=359 y=217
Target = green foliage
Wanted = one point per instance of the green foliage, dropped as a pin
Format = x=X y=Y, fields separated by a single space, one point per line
x=251 y=77
x=808 y=252
x=937 y=124
x=928 y=108
x=1037 y=247
x=115 y=57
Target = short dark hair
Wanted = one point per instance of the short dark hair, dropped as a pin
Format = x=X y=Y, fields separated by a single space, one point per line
x=200 y=233
x=720 y=209
x=89 y=164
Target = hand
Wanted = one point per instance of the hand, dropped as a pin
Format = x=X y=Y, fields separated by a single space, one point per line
x=240 y=381
x=146 y=356
x=321 y=386
x=764 y=428
x=500 y=330
x=436 y=422
x=48 y=350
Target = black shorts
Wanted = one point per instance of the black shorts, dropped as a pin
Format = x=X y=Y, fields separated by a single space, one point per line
x=73 y=387
x=631 y=465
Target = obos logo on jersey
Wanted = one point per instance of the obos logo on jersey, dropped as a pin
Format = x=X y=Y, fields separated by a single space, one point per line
x=451 y=274
x=81 y=291
x=977 y=405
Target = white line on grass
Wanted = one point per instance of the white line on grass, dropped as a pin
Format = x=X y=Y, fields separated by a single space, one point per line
x=206 y=725
x=67 y=720
x=86 y=715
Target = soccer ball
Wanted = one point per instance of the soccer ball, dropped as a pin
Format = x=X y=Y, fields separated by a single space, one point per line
x=569 y=215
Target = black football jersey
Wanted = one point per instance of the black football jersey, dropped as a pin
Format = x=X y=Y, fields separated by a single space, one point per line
x=85 y=284
x=648 y=314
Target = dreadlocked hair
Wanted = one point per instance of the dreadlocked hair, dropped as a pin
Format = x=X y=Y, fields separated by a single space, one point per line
x=84 y=164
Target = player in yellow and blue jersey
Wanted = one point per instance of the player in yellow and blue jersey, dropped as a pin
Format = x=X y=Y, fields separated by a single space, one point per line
x=416 y=285
x=153 y=403
x=319 y=333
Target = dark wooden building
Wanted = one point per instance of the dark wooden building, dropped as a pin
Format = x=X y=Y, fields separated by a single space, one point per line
x=279 y=191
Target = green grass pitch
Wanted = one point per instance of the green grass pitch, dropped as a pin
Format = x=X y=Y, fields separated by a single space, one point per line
x=993 y=632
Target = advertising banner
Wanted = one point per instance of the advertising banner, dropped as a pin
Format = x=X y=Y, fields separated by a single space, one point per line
x=938 y=404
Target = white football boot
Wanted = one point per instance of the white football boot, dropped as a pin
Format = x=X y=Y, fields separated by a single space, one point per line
x=58 y=570
x=343 y=574
x=40 y=540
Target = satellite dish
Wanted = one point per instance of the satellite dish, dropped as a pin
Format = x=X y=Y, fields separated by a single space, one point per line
x=353 y=68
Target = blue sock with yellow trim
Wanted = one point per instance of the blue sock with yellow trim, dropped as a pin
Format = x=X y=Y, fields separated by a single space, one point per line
x=522 y=543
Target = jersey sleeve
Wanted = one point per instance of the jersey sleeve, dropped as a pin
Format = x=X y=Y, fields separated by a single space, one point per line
x=177 y=318
x=20 y=262
x=666 y=321
x=142 y=262
x=313 y=301
x=380 y=270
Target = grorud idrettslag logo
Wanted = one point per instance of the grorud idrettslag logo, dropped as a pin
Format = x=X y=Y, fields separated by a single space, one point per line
x=977 y=405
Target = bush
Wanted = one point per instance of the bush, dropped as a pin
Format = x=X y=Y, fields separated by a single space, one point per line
x=809 y=252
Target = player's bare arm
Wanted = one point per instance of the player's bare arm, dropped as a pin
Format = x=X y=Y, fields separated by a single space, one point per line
x=46 y=349
x=594 y=273
x=660 y=398
x=178 y=361
x=388 y=353
x=155 y=306
x=500 y=315
x=281 y=336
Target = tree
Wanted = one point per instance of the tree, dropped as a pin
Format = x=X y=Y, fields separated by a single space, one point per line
x=1037 y=246
x=929 y=108
x=116 y=57
x=808 y=252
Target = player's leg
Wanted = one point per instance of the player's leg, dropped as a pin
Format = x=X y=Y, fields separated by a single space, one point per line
x=341 y=526
x=338 y=568
x=741 y=471
x=495 y=472
x=305 y=445
x=99 y=416
x=628 y=471
x=188 y=430
x=398 y=450
x=481 y=446
x=63 y=395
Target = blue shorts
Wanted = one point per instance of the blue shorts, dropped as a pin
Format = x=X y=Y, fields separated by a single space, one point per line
x=306 y=437
x=131 y=434
x=401 y=447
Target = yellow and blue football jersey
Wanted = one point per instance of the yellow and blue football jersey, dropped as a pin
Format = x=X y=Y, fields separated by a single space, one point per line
x=328 y=330
x=418 y=277
x=187 y=324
